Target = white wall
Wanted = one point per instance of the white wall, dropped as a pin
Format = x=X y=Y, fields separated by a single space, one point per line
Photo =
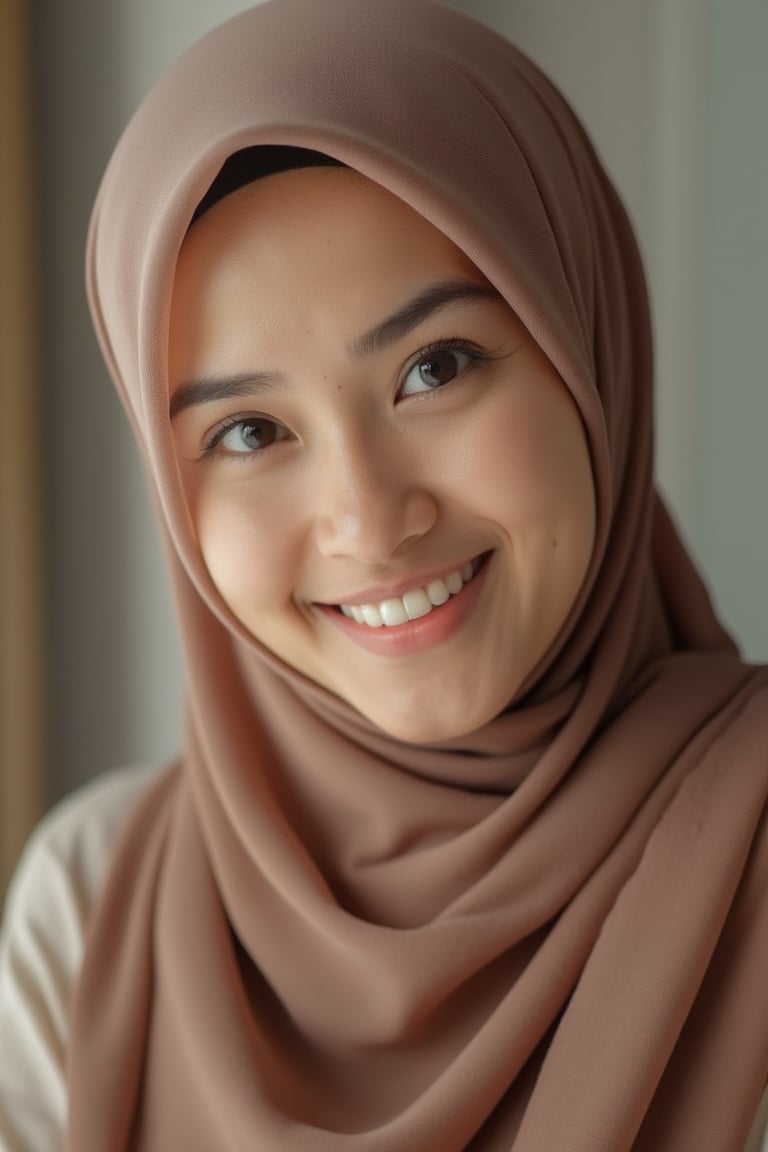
x=732 y=463
x=673 y=91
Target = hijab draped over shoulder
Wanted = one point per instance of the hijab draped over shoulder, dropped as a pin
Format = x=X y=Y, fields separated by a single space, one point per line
x=550 y=935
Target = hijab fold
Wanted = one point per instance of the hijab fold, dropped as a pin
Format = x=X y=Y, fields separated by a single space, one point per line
x=548 y=935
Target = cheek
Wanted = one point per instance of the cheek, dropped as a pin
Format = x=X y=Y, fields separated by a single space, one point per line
x=549 y=475
x=526 y=465
x=248 y=545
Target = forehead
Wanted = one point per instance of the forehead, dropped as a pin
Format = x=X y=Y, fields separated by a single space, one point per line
x=310 y=217
x=297 y=261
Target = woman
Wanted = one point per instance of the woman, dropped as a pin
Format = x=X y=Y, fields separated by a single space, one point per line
x=466 y=847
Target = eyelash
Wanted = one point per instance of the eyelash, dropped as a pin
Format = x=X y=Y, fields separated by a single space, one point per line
x=220 y=431
x=475 y=354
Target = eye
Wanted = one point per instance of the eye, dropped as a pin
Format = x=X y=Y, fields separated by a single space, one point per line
x=436 y=367
x=242 y=436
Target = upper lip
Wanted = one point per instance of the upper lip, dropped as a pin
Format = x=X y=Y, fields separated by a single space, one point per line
x=376 y=593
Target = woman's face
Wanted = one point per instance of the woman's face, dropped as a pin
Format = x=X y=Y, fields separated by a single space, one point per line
x=390 y=484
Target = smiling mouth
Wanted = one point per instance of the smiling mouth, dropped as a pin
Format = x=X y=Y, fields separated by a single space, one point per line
x=416 y=602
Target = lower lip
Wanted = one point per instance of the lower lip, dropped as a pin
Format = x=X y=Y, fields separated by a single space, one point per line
x=437 y=627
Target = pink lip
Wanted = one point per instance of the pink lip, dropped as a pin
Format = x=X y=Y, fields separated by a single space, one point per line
x=416 y=635
x=376 y=593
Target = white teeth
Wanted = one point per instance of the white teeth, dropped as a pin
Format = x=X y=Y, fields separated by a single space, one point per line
x=416 y=603
x=371 y=615
x=437 y=593
x=393 y=612
x=412 y=604
x=454 y=583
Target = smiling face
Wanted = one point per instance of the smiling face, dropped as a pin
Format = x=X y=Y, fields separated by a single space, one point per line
x=389 y=482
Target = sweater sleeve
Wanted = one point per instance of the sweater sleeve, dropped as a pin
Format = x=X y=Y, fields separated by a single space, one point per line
x=42 y=938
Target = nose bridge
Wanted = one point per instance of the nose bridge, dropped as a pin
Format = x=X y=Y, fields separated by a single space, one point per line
x=372 y=498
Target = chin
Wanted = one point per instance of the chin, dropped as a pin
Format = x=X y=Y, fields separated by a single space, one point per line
x=414 y=724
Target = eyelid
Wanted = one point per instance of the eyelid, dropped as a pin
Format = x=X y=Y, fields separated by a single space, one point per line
x=214 y=435
x=477 y=354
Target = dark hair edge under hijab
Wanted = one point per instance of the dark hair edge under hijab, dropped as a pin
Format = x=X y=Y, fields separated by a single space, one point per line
x=254 y=163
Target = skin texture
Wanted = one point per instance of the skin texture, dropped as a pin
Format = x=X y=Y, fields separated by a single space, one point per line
x=370 y=478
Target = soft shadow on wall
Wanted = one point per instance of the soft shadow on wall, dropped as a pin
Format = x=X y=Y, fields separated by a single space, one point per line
x=113 y=667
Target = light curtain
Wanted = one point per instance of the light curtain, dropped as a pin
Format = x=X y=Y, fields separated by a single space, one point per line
x=22 y=440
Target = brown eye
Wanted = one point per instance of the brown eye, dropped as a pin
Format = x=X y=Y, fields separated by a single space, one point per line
x=438 y=369
x=247 y=436
x=434 y=369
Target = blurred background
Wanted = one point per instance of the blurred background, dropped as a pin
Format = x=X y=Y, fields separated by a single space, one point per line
x=674 y=93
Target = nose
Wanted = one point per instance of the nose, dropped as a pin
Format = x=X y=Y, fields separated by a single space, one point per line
x=371 y=504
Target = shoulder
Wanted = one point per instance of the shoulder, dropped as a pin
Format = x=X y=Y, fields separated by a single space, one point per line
x=49 y=901
x=76 y=839
x=61 y=873
x=758 y=1137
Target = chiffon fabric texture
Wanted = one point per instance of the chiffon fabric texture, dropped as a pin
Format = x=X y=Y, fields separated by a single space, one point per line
x=548 y=935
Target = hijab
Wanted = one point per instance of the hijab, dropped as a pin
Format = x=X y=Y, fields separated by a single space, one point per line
x=547 y=934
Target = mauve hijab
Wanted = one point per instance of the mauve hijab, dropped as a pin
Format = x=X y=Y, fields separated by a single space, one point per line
x=550 y=935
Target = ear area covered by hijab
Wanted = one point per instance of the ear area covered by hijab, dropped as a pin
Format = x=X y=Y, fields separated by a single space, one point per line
x=548 y=935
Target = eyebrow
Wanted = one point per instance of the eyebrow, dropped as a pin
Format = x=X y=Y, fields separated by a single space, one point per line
x=430 y=300
x=207 y=390
x=426 y=303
